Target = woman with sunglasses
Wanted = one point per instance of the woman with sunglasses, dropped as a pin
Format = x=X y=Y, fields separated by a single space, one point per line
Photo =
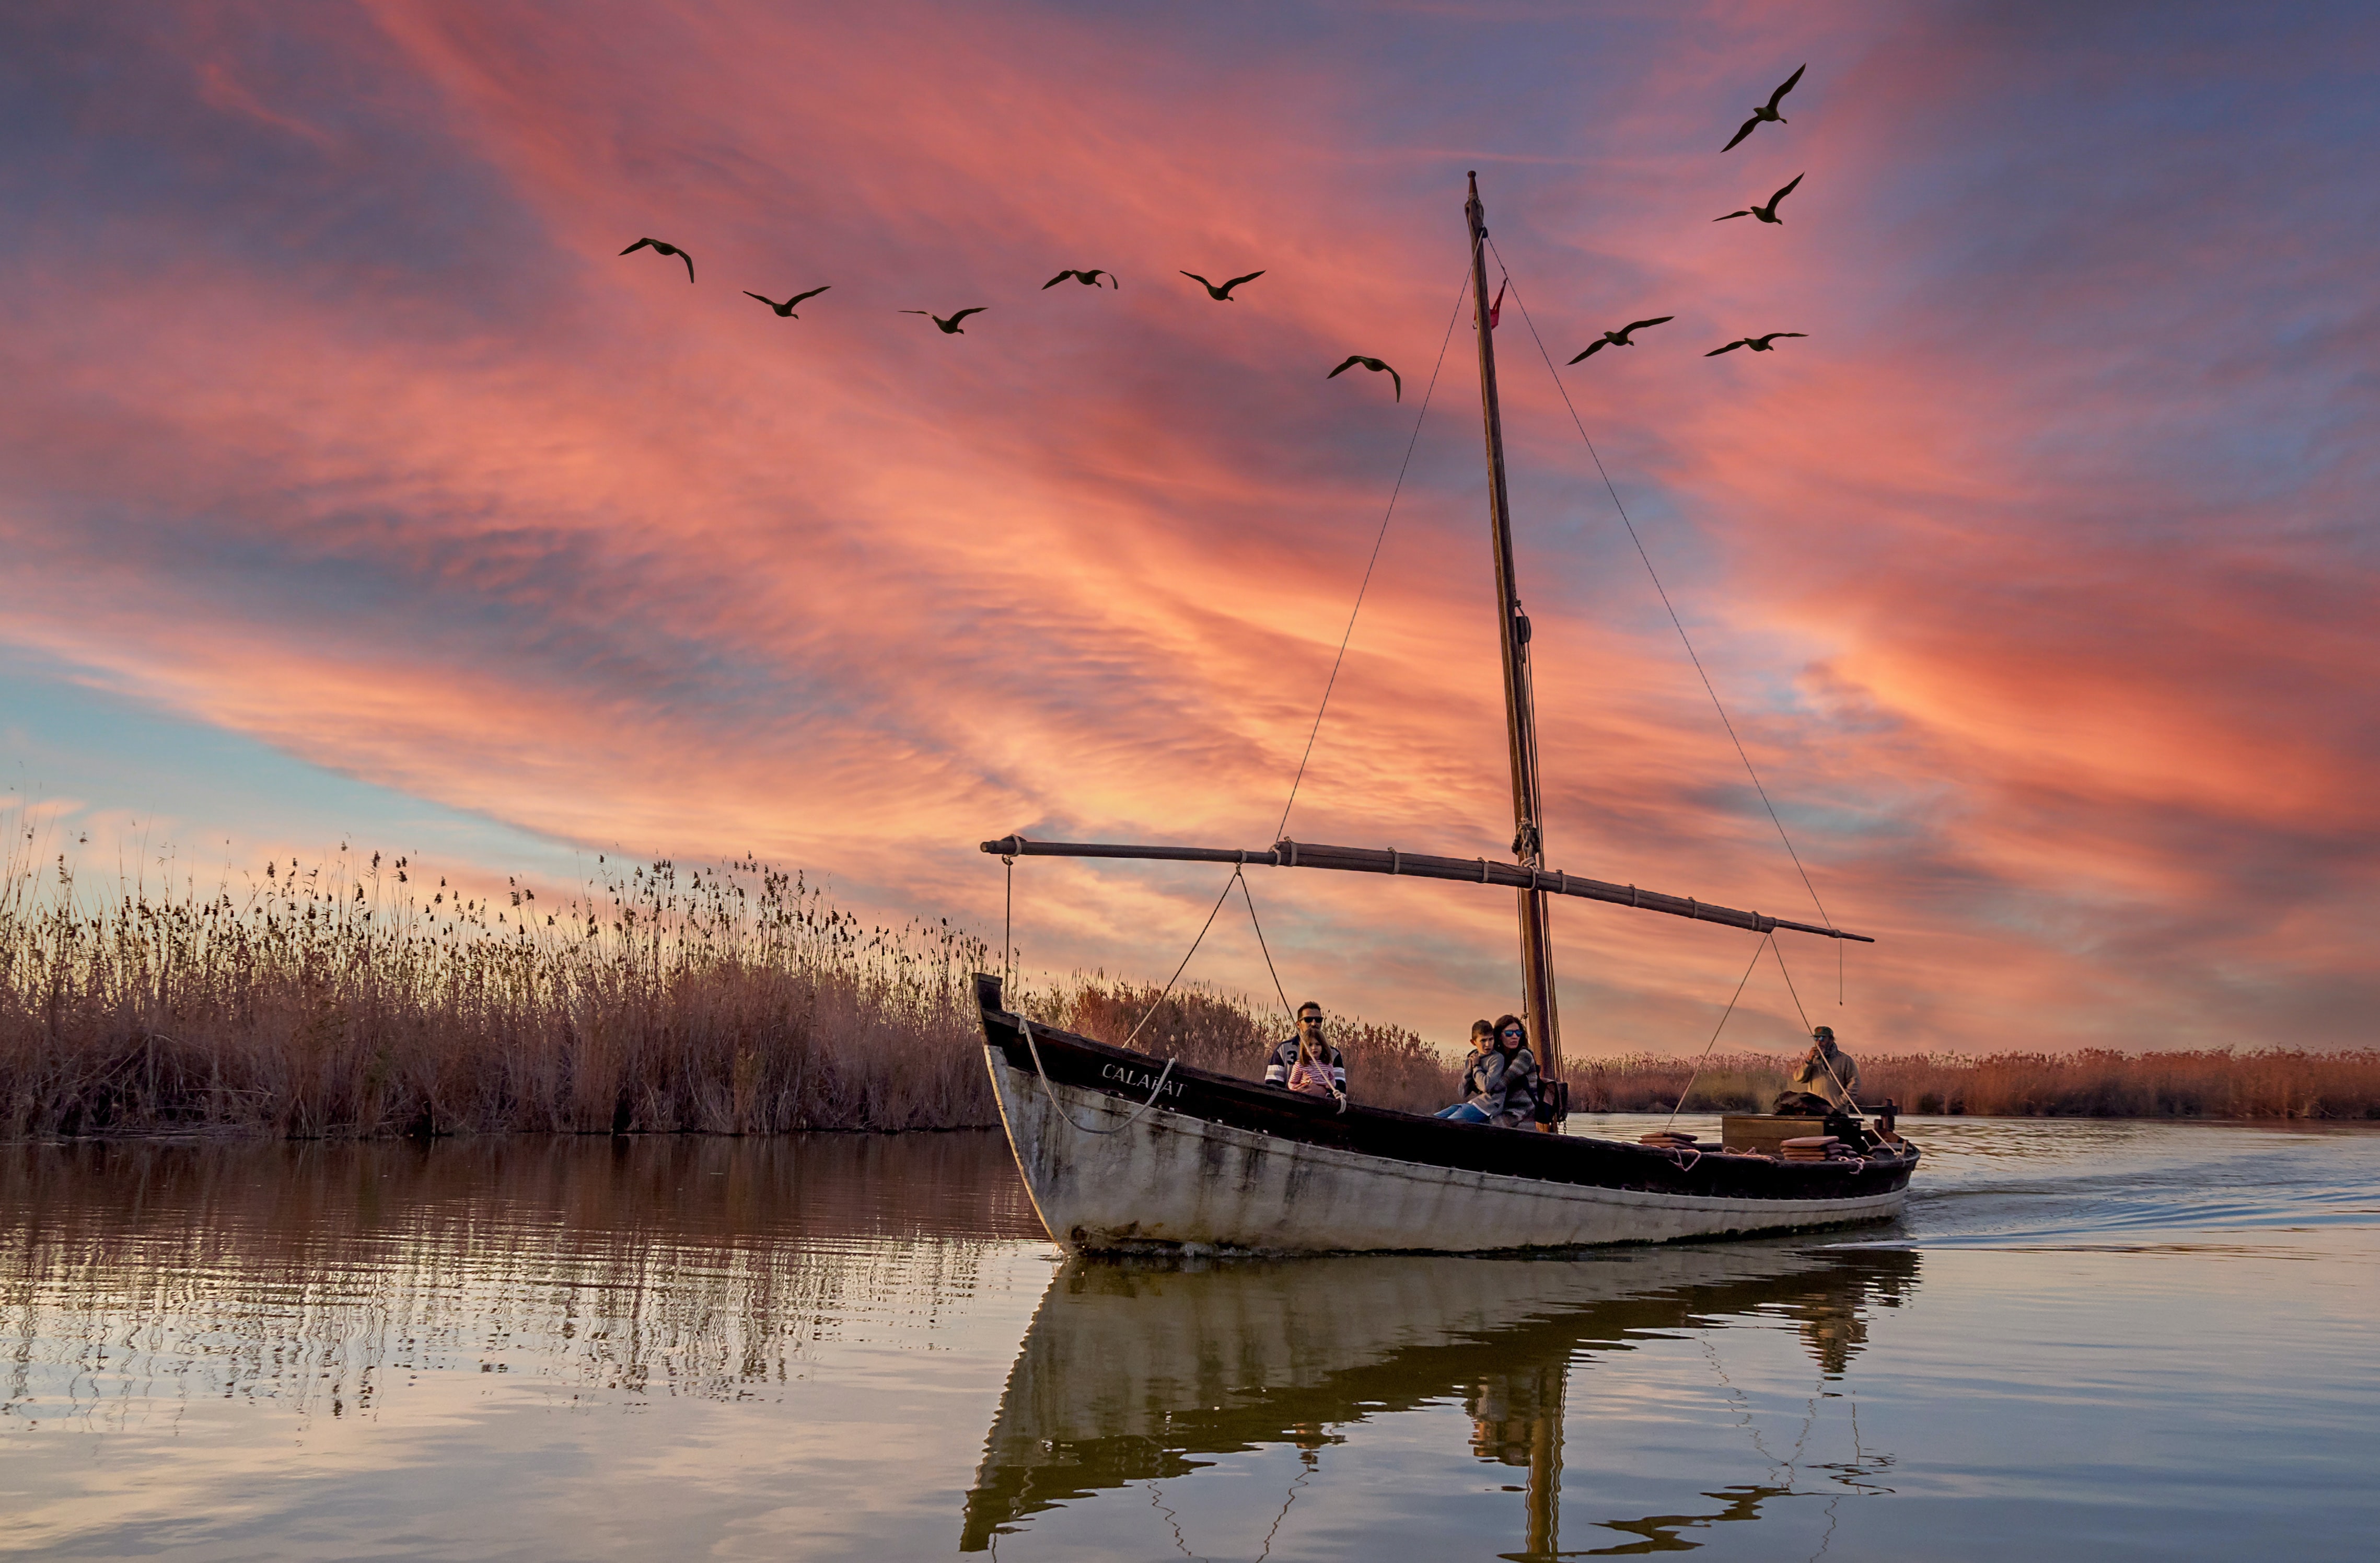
x=1499 y=1081
x=1518 y=1108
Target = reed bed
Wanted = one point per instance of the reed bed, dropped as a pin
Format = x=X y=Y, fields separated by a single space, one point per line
x=358 y=998
x=2098 y=1082
x=362 y=997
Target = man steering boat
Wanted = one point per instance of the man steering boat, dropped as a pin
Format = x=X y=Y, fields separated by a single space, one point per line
x=1827 y=1081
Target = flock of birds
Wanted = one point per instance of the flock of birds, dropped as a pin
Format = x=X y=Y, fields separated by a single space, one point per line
x=1096 y=276
x=1762 y=113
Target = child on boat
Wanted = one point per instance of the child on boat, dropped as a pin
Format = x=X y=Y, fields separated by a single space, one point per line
x=1500 y=1079
x=1285 y=1054
x=1483 y=1041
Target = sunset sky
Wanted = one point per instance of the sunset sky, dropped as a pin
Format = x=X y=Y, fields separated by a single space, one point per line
x=354 y=487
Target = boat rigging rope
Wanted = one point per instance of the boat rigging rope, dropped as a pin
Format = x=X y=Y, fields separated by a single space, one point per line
x=1034 y=1049
x=1282 y=829
x=1154 y=1091
x=1267 y=952
x=1767 y=939
x=1185 y=958
x=1849 y=1100
x=1338 y=1096
x=1662 y=592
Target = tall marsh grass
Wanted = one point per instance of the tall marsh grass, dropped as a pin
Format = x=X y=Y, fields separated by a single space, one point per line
x=2269 y=1083
x=360 y=998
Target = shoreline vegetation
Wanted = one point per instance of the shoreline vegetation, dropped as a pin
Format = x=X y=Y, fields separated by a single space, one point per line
x=2096 y=1083
x=367 y=998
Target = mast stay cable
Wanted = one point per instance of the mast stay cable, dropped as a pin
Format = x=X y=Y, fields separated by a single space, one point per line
x=1676 y=622
x=1838 y=1079
x=1765 y=939
x=1261 y=945
x=1282 y=829
x=1168 y=988
x=1033 y=1048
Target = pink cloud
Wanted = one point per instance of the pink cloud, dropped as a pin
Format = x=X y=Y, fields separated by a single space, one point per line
x=541 y=532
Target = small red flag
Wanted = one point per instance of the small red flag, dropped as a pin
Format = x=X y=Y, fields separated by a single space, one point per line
x=1498 y=308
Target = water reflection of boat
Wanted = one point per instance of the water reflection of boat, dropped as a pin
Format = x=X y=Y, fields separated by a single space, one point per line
x=1121 y=1154
x=1133 y=1371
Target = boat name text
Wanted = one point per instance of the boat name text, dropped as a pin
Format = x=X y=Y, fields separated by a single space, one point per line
x=1141 y=1081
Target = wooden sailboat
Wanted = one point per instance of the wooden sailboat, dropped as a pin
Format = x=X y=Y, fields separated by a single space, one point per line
x=1122 y=1151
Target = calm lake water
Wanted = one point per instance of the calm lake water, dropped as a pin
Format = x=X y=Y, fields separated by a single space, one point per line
x=2084 y=1340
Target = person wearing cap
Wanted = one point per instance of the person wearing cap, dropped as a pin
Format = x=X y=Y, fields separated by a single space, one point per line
x=1307 y=1044
x=1827 y=1080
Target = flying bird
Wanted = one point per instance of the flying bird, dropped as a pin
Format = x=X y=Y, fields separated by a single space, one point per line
x=1767 y=110
x=787 y=309
x=950 y=327
x=658 y=248
x=1757 y=344
x=1375 y=365
x=1620 y=338
x=1766 y=213
x=1222 y=294
x=1088 y=278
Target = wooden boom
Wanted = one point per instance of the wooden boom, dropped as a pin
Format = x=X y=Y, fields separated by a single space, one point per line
x=1469 y=870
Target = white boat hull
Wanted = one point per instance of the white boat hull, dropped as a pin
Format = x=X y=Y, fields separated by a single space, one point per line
x=1169 y=1181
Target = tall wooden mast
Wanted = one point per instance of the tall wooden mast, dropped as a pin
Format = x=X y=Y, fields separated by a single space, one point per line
x=1520 y=710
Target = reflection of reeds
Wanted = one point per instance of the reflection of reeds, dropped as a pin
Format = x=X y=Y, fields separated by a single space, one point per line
x=2099 y=1083
x=360 y=998
x=684 y=1267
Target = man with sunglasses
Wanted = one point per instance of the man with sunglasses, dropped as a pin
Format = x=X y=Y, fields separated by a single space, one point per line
x=1308 y=1036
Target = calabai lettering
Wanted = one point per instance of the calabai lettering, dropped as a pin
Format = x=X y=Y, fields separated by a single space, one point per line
x=1141 y=1081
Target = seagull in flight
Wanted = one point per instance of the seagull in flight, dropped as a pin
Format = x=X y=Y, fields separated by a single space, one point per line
x=1088 y=278
x=1766 y=213
x=658 y=248
x=1757 y=344
x=1222 y=294
x=1620 y=338
x=950 y=327
x=787 y=309
x=1768 y=110
x=1375 y=365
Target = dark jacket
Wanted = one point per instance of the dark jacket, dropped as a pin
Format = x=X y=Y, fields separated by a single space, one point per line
x=1283 y=1057
x=1503 y=1085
